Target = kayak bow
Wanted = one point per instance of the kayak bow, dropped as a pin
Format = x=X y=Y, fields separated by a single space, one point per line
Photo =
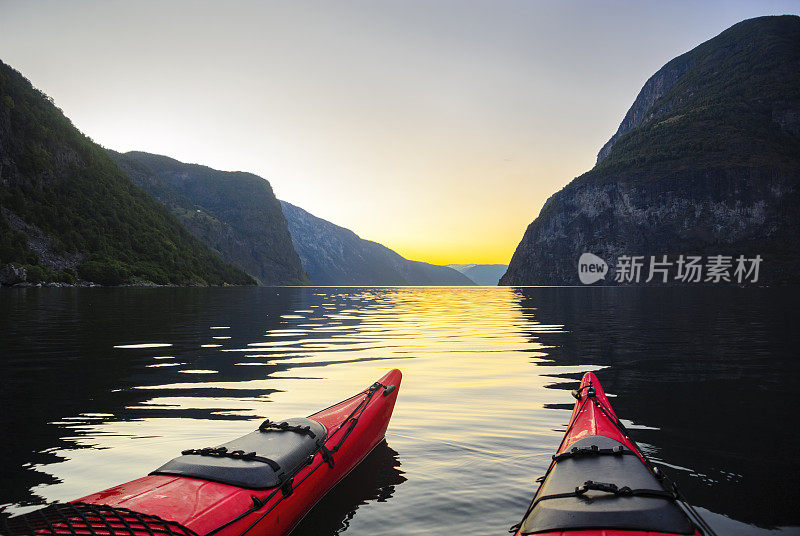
x=601 y=484
x=261 y=483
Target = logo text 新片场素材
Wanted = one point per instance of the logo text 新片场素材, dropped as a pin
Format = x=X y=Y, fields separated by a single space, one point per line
x=663 y=269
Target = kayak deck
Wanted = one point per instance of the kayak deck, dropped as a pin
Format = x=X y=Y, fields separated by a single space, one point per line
x=599 y=483
x=261 y=483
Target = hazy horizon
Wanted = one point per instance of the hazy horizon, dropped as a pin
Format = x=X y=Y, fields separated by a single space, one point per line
x=435 y=128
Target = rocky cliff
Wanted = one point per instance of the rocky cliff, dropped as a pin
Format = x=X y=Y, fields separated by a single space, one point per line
x=333 y=255
x=235 y=214
x=643 y=109
x=706 y=162
x=69 y=214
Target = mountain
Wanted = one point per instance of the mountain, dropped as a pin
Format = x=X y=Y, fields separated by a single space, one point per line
x=333 y=255
x=68 y=213
x=706 y=162
x=235 y=214
x=486 y=275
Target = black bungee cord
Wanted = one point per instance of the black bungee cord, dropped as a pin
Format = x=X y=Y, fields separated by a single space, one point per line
x=692 y=513
x=327 y=458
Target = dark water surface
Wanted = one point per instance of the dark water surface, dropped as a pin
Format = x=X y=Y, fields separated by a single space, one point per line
x=100 y=386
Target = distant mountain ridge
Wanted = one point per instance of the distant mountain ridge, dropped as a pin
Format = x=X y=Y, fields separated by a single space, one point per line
x=486 y=275
x=69 y=214
x=333 y=255
x=705 y=162
x=236 y=214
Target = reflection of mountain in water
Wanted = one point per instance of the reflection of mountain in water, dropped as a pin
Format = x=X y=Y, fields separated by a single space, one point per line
x=708 y=369
x=64 y=342
x=374 y=479
x=697 y=370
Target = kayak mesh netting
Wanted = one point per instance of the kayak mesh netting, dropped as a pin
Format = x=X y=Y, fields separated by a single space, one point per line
x=80 y=519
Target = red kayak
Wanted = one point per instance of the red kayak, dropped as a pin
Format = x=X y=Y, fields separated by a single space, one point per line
x=261 y=483
x=601 y=484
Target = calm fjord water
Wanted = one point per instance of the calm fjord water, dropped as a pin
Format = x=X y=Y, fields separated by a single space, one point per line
x=100 y=386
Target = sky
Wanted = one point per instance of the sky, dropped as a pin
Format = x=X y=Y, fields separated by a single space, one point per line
x=438 y=128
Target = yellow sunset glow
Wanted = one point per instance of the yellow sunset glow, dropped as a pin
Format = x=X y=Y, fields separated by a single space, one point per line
x=438 y=129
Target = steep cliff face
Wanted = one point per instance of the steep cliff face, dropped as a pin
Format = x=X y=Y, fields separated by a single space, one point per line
x=643 y=109
x=706 y=162
x=235 y=214
x=68 y=213
x=333 y=255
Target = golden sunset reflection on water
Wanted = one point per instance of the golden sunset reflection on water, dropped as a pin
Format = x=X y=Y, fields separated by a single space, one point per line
x=469 y=359
x=485 y=398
